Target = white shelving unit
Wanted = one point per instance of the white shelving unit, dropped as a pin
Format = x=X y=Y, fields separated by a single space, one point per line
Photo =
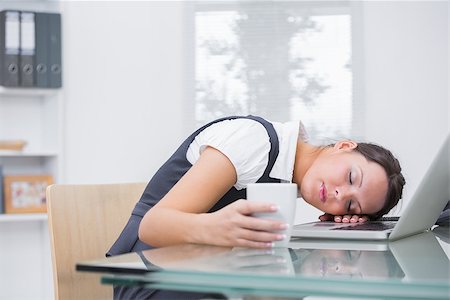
x=21 y=92
x=23 y=218
x=36 y=116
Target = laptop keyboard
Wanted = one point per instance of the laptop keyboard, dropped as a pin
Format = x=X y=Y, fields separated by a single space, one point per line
x=372 y=226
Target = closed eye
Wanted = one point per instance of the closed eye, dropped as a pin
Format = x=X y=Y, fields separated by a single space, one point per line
x=349 y=205
x=350 y=177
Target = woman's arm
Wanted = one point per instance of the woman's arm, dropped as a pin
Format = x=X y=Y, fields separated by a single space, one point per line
x=181 y=215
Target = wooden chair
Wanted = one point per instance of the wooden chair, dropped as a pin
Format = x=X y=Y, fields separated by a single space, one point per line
x=84 y=221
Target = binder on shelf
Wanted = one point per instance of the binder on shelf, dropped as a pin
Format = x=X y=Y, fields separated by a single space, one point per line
x=27 y=49
x=9 y=47
x=41 y=74
x=55 y=72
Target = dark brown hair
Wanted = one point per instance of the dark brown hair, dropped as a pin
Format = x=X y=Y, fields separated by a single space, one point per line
x=391 y=165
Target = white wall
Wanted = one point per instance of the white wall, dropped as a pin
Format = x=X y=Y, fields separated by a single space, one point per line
x=406 y=81
x=123 y=87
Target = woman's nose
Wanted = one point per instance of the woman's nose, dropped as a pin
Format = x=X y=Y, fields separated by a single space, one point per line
x=342 y=193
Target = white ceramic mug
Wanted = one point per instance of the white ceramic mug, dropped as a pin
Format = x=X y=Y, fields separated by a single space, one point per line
x=284 y=195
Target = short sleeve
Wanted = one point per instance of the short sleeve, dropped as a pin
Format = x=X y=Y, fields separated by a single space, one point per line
x=244 y=142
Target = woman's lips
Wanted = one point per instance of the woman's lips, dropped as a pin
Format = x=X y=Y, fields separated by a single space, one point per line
x=323 y=193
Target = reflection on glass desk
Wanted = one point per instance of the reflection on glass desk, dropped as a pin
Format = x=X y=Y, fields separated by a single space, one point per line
x=411 y=268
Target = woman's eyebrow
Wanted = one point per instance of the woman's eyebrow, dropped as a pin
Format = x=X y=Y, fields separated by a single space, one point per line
x=360 y=209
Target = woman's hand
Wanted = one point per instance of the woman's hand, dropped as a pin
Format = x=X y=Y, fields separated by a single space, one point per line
x=234 y=225
x=344 y=219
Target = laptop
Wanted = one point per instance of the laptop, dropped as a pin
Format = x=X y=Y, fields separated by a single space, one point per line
x=423 y=210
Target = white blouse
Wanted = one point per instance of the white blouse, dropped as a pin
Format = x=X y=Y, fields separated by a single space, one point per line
x=246 y=144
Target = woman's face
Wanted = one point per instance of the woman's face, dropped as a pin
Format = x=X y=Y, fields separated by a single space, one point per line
x=342 y=181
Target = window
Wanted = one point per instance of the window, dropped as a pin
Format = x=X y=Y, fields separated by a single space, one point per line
x=279 y=60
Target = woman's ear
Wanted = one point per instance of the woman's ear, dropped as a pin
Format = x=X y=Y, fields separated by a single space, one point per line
x=345 y=145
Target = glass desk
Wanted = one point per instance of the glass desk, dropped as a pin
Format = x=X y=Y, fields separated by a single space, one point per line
x=412 y=268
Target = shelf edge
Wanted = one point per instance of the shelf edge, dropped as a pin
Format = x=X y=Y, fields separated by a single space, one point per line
x=22 y=217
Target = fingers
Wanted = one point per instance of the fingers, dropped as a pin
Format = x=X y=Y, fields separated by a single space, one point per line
x=357 y=218
x=258 y=224
x=326 y=217
x=245 y=219
x=250 y=207
x=246 y=230
x=253 y=244
x=258 y=239
x=350 y=219
x=261 y=236
x=363 y=219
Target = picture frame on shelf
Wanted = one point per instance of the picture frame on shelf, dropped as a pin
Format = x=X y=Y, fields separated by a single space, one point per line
x=26 y=193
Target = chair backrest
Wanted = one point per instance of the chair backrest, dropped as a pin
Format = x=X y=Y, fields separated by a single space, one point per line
x=84 y=221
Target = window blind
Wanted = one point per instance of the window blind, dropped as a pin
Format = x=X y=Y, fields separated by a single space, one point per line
x=279 y=60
